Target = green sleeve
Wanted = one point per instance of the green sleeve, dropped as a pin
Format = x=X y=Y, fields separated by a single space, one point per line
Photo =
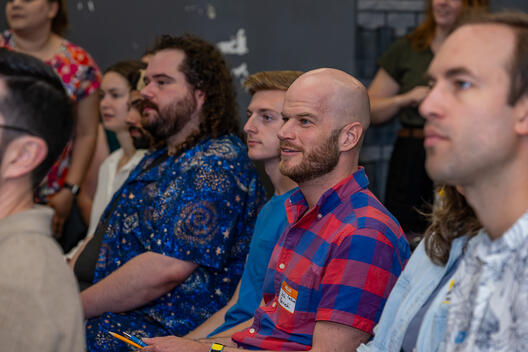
x=391 y=60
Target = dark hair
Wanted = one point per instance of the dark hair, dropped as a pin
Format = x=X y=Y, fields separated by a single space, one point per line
x=271 y=80
x=518 y=68
x=59 y=23
x=423 y=35
x=205 y=69
x=452 y=217
x=129 y=69
x=36 y=101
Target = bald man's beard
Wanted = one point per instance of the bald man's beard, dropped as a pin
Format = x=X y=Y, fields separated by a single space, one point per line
x=314 y=164
x=170 y=119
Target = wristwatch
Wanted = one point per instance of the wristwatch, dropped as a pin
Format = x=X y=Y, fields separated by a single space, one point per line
x=73 y=188
x=216 y=347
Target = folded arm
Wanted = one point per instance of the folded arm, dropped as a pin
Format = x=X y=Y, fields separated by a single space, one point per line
x=139 y=281
x=385 y=102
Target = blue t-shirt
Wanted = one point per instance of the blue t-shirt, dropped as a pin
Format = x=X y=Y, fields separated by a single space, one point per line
x=199 y=206
x=270 y=224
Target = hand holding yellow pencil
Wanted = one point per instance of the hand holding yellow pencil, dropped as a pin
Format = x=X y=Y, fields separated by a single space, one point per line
x=124 y=339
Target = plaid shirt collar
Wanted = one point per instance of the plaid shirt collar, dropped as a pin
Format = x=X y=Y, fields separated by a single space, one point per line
x=296 y=205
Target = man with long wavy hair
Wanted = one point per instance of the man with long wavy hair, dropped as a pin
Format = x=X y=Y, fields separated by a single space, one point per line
x=173 y=242
x=476 y=137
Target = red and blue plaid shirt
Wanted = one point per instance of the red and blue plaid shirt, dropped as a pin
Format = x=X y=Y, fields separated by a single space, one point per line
x=336 y=262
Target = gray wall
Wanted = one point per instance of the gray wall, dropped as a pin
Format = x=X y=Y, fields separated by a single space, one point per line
x=254 y=35
x=279 y=34
x=263 y=35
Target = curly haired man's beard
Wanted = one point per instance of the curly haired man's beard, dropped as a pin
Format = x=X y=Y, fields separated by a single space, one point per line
x=170 y=119
x=318 y=162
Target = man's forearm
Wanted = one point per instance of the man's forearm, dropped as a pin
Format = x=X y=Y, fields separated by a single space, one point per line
x=139 y=281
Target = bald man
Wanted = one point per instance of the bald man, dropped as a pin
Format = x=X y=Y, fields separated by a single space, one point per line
x=335 y=264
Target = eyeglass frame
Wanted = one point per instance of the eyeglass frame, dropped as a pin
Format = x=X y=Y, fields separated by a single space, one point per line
x=17 y=129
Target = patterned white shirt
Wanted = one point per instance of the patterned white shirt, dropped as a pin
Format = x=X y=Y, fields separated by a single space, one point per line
x=489 y=298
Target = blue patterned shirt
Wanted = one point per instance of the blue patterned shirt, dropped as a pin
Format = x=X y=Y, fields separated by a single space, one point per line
x=199 y=206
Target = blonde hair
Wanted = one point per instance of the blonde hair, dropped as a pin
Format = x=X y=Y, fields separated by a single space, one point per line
x=271 y=80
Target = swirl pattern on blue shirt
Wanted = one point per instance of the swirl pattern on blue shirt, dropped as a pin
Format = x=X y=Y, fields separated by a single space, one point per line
x=199 y=206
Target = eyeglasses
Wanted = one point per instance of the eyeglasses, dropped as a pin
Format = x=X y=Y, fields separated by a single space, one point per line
x=18 y=129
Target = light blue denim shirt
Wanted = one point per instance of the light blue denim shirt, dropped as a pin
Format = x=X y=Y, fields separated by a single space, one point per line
x=414 y=286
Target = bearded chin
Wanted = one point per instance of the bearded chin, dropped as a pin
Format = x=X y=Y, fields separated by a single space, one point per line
x=143 y=142
x=316 y=163
x=172 y=118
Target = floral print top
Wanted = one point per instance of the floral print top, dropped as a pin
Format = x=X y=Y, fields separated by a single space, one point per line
x=81 y=77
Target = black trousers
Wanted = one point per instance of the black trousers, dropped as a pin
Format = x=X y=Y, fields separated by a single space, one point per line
x=409 y=188
x=74 y=229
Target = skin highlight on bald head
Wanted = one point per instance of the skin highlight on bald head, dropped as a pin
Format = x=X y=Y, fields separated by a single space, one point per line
x=343 y=96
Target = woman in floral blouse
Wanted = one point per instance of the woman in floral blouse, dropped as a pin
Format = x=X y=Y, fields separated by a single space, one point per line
x=35 y=28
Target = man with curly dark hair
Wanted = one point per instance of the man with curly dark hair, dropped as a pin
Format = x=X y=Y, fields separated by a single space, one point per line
x=209 y=79
x=172 y=244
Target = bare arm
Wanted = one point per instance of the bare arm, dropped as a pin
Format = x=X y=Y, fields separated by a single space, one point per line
x=85 y=137
x=328 y=337
x=214 y=320
x=142 y=279
x=83 y=148
x=385 y=102
x=89 y=185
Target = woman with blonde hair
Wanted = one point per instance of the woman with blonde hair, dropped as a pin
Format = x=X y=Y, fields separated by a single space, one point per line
x=397 y=89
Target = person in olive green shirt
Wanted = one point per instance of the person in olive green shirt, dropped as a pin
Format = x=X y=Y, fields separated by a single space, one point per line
x=397 y=89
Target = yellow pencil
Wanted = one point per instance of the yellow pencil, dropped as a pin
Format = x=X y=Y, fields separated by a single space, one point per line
x=124 y=339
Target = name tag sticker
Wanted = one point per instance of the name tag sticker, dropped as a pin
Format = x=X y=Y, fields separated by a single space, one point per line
x=288 y=297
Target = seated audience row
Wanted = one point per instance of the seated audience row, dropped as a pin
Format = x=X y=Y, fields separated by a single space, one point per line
x=171 y=245
x=463 y=290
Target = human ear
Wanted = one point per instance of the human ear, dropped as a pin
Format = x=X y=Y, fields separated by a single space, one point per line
x=350 y=136
x=22 y=156
x=521 y=116
x=53 y=9
x=199 y=96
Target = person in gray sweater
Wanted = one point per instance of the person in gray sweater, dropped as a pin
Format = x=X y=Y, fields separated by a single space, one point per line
x=40 y=307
